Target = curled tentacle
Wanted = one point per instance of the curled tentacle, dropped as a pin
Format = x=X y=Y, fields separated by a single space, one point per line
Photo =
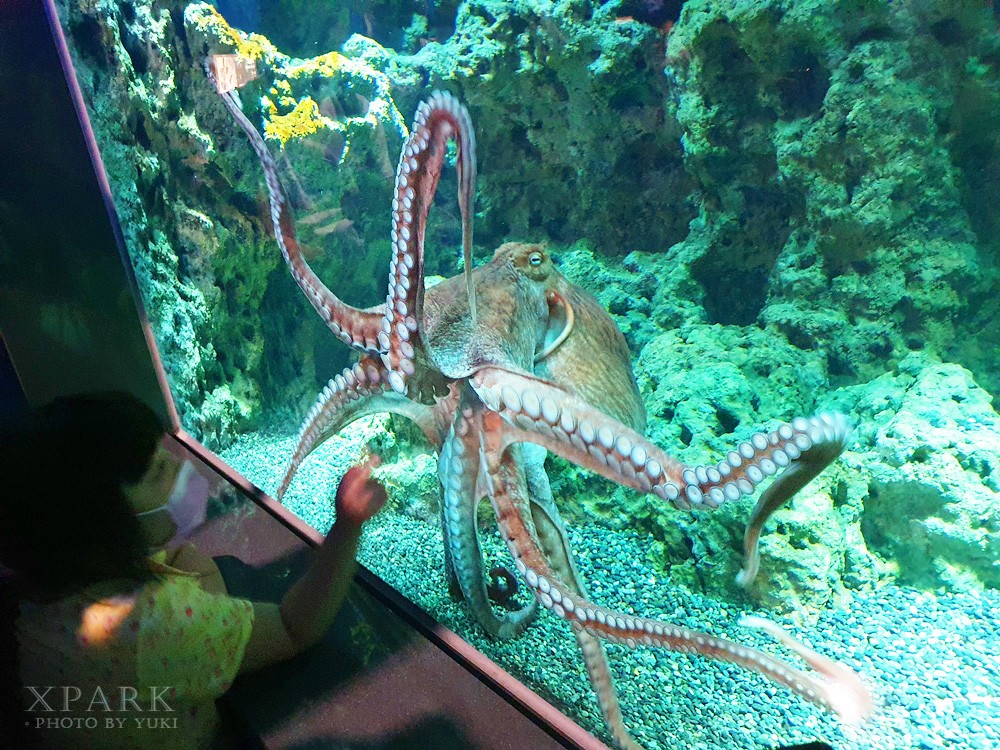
x=502 y=586
x=540 y=412
x=836 y=688
x=459 y=468
x=355 y=327
x=820 y=440
x=438 y=119
x=357 y=392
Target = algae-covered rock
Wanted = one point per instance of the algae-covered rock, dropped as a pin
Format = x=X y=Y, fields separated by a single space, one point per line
x=820 y=136
x=928 y=457
x=129 y=68
x=702 y=383
x=305 y=28
x=190 y=197
x=567 y=99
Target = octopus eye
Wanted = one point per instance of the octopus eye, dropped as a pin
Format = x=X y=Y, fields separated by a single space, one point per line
x=535 y=259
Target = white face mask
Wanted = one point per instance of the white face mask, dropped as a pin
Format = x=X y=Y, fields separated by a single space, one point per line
x=187 y=504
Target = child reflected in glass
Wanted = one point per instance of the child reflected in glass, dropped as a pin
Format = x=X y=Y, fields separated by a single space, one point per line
x=118 y=617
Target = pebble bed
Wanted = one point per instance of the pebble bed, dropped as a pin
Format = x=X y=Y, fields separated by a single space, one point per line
x=932 y=660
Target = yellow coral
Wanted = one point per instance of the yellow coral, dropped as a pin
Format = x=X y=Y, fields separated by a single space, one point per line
x=324 y=66
x=209 y=20
x=305 y=119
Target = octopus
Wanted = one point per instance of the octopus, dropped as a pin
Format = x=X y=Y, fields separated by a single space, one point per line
x=506 y=362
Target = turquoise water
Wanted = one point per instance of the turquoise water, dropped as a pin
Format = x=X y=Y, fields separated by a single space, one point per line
x=785 y=207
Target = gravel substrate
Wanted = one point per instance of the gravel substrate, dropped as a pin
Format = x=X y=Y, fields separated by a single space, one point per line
x=933 y=660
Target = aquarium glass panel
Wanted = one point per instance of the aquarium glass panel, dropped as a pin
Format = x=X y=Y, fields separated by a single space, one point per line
x=674 y=325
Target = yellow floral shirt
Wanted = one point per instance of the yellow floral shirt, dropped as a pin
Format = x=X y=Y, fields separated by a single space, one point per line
x=131 y=671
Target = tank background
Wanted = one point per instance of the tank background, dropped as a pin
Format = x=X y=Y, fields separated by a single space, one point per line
x=786 y=206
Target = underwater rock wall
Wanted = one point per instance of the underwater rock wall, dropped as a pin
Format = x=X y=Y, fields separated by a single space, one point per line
x=831 y=144
x=137 y=79
x=194 y=211
x=838 y=210
x=574 y=141
x=777 y=200
x=928 y=466
x=840 y=226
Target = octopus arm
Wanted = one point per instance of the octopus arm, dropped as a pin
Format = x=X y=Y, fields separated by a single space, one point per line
x=440 y=119
x=357 y=392
x=538 y=533
x=599 y=672
x=459 y=465
x=555 y=548
x=355 y=327
x=835 y=687
x=537 y=411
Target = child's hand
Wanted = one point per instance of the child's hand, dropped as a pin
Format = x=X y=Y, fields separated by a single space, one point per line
x=359 y=497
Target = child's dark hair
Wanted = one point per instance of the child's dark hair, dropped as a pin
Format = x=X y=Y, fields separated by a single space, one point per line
x=64 y=521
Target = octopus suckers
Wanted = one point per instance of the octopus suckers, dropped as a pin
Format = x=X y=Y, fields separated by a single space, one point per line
x=396 y=381
x=550 y=410
x=510 y=399
x=606 y=436
x=531 y=405
x=653 y=468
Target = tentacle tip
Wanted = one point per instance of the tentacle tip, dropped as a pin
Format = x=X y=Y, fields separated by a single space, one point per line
x=839 y=689
x=747 y=574
x=756 y=622
x=851 y=700
x=841 y=424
